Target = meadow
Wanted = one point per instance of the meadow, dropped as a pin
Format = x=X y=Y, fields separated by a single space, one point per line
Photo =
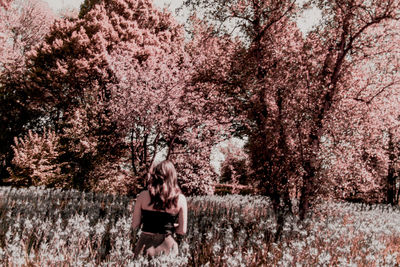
x=53 y=227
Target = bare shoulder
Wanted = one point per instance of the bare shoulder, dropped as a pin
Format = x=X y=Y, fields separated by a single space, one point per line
x=182 y=200
x=143 y=195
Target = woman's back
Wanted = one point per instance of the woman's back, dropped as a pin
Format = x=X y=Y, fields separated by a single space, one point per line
x=158 y=222
x=156 y=218
x=161 y=211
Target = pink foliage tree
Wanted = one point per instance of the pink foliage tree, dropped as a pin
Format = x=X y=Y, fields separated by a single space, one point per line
x=259 y=79
x=350 y=29
x=210 y=117
x=364 y=138
x=116 y=85
x=291 y=88
x=72 y=75
x=235 y=165
x=161 y=110
x=35 y=160
x=23 y=25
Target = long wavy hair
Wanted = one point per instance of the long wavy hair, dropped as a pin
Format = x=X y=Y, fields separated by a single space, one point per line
x=163 y=185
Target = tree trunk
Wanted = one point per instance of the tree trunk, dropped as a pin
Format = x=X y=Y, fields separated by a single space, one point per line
x=135 y=172
x=307 y=189
x=391 y=180
x=391 y=188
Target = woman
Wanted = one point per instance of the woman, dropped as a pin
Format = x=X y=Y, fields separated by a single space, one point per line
x=161 y=211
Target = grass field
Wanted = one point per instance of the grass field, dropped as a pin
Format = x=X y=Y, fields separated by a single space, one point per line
x=47 y=227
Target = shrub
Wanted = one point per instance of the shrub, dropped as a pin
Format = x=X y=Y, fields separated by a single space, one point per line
x=35 y=160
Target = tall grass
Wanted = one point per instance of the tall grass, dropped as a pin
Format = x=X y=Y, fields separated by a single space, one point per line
x=47 y=227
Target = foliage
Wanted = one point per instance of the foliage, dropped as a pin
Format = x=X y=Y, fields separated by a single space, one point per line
x=116 y=83
x=235 y=171
x=120 y=86
x=23 y=25
x=261 y=80
x=235 y=166
x=159 y=110
x=5 y=3
x=70 y=75
x=361 y=158
x=348 y=32
x=54 y=227
x=35 y=160
x=291 y=88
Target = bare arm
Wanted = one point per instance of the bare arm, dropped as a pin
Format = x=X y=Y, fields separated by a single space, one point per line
x=137 y=212
x=182 y=219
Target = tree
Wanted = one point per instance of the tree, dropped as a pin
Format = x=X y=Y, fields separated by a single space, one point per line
x=260 y=83
x=235 y=171
x=23 y=25
x=344 y=38
x=290 y=86
x=393 y=178
x=234 y=167
x=210 y=111
x=150 y=69
x=35 y=161
x=72 y=74
x=161 y=111
x=116 y=84
x=363 y=139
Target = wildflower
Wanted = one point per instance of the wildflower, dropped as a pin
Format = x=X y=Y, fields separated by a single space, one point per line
x=298 y=245
x=313 y=252
x=287 y=258
x=390 y=259
x=324 y=258
x=342 y=261
x=216 y=248
x=370 y=257
x=209 y=236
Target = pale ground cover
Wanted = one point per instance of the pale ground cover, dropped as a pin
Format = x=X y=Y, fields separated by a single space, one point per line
x=47 y=227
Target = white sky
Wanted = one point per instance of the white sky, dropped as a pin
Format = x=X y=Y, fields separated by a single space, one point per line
x=57 y=5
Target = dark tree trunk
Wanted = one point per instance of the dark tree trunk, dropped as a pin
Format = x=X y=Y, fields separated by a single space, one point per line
x=133 y=155
x=391 y=179
x=306 y=189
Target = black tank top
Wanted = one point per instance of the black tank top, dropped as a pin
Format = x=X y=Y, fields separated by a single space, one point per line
x=158 y=222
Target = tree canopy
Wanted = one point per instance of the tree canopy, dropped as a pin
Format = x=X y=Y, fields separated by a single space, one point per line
x=109 y=92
